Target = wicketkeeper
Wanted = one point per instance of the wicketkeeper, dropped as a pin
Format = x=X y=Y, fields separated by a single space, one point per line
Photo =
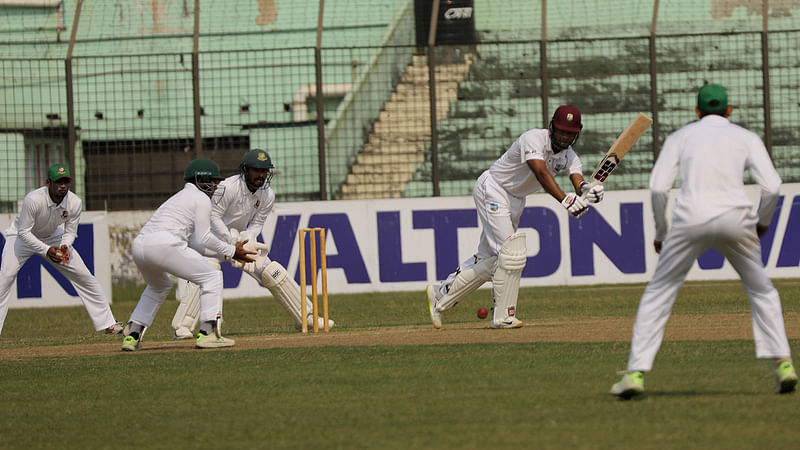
x=240 y=207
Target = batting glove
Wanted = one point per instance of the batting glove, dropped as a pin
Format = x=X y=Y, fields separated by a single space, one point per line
x=593 y=193
x=575 y=205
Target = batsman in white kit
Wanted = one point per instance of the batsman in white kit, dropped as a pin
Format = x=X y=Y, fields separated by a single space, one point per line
x=712 y=211
x=162 y=247
x=528 y=166
x=240 y=206
x=47 y=225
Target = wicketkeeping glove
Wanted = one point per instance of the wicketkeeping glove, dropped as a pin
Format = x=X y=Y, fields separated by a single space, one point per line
x=575 y=205
x=233 y=237
x=593 y=193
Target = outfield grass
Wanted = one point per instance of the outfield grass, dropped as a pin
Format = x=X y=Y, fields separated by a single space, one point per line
x=709 y=394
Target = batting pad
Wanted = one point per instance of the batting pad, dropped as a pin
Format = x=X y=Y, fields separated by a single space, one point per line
x=284 y=289
x=505 y=283
x=466 y=282
x=188 y=312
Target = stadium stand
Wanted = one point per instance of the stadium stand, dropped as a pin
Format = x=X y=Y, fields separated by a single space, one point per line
x=132 y=84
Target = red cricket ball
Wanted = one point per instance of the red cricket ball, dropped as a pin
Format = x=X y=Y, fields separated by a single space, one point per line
x=482 y=313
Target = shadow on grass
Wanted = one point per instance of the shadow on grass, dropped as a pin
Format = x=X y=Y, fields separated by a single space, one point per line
x=692 y=393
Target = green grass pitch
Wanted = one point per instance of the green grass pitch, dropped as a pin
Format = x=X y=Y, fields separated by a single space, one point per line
x=701 y=394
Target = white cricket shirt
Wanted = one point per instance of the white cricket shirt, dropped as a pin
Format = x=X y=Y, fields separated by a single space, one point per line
x=512 y=172
x=40 y=218
x=711 y=156
x=187 y=212
x=236 y=207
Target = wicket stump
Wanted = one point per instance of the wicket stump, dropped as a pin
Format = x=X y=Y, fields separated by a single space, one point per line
x=313 y=233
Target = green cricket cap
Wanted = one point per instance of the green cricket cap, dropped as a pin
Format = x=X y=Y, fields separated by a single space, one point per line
x=712 y=98
x=58 y=171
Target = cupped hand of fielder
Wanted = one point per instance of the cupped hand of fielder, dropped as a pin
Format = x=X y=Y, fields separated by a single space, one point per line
x=65 y=254
x=54 y=254
x=59 y=255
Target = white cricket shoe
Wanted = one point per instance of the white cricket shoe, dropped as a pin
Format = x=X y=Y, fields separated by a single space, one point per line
x=115 y=329
x=183 y=333
x=436 y=315
x=631 y=385
x=508 y=322
x=310 y=323
x=212 y=341
x=320 y=322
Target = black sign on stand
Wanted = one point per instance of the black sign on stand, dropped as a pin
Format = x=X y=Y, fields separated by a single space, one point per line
x=456 y=24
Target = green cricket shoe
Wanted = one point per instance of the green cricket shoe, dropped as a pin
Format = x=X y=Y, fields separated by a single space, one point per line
x=785 y=378
x=212 y=341
x=631 y=385
x=436 y=316
x=131 y=344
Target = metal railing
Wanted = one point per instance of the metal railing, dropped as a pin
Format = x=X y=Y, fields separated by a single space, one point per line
x=128 y=123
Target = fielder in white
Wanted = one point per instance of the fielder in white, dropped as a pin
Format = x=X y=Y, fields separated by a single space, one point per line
x=240 y=207
x=528 y=166
x=162 y=247
x=711 y=211
x=47 y=225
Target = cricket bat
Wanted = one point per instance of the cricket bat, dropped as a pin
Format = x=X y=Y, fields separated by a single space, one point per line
x=619 y=148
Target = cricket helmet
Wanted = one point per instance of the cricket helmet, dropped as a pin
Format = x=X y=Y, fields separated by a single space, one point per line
x=202 y=167
x=567 y=119
x=256 y=158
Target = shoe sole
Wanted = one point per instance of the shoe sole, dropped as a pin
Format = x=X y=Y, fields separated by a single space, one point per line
x=506 y=327
x=437 y=323
x=179 y=337
x=628 y=394
x=130 y=348
x=215 y=344
x=787 y=386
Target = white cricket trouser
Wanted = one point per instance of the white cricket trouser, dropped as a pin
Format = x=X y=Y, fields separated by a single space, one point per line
x=160 y=253
x=732 y=234
x=499 y=213
x=16 y=253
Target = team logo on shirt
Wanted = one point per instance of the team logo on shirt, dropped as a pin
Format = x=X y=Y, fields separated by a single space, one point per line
x=493 y=207
x=65 y=214
x=555 y=164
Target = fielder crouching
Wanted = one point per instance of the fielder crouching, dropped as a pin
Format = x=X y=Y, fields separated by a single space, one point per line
x=528 y=166
x=162 y=247
x=240 y=207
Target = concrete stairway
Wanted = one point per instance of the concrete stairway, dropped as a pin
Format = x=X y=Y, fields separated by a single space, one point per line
x=397 y=143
